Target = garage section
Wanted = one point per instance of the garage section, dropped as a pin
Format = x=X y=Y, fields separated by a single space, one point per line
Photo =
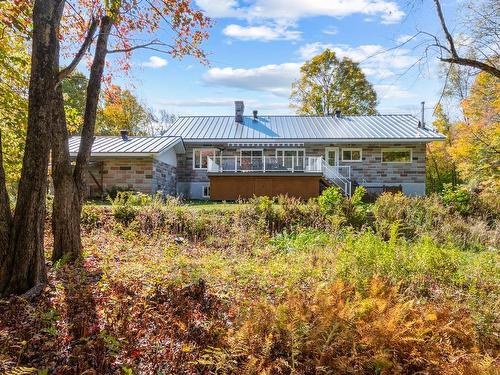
x=243 y=186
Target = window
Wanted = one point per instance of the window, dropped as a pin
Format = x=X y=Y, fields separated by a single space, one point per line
x=206 y=191
x=201 y=155
x=396 y=155
x=251 y=159
x=352 y=154
x=291 y=156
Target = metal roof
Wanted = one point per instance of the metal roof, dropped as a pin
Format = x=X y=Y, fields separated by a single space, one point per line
x=132 y=145
x=312 y=128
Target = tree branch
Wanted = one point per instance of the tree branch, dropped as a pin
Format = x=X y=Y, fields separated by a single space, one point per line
x=455 y=58
x=473 y=63
x=83 y=50
x=145 y=45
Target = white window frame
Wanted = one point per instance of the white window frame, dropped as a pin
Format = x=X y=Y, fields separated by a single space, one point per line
x=396 y=149
x=290 y=149
x=351 y=149
x=251 y=156
x=214 y=150
x=337 y=154
x=203 y=191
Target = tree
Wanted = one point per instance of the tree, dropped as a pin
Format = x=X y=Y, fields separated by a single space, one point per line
x=14 y=78
x=122 y=110
x=485 y=37
x=74 y=92
x=441 y=168
x=22 y=263
x=187 y=26
x=328 y=84
x=476 y=149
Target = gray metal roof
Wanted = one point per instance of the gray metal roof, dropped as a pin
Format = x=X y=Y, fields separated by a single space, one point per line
x=312 y=128
x=133 y=145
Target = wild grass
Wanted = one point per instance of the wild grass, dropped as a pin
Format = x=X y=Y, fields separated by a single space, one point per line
x=268 y=287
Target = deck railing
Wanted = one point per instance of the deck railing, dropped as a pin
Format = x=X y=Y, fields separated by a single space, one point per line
x=264 y=164
x=336 y=175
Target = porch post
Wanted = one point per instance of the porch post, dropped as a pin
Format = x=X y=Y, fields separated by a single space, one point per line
x=235 y=163
x=263 y=163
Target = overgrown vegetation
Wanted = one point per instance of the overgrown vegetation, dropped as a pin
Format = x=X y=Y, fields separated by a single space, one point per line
x=274 y=286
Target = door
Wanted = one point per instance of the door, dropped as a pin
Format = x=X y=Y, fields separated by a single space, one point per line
x=251 y=159
x=332 y=156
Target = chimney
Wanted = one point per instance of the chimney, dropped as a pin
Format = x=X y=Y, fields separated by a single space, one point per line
x=255 y=114
x=421 y=123
x=239 y=108
x=338 y=113
x=124 y=134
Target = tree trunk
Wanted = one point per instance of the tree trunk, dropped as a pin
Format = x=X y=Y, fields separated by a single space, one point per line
x=65 y=226
x=69 y=187
x=22 y=267
x=5 y=212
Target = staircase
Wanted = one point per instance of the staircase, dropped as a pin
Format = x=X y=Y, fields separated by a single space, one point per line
x=337 y=176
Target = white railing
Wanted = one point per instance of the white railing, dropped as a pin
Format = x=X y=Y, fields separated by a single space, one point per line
x=339 y=176
x=264 y=164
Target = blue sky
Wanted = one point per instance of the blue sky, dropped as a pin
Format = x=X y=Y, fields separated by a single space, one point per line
x=257 y=47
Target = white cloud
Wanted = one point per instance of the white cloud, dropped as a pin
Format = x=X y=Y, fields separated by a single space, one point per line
x=388 y=11
x=261 y=33
x=227 y=103
x=392 y=92
x=373 y=58
x=275 y=78
x=155 y=62
x=331 y=30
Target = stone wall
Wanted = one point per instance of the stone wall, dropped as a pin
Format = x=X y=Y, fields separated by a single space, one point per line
x=371 y=170
x=164 y=178
x=122 y=172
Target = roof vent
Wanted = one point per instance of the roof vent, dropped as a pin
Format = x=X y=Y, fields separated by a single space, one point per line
x=255 y=113
x=338 y=113
x=239 y=108
x=124 y=134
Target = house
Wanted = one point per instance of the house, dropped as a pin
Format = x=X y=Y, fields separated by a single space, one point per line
x=231 y=157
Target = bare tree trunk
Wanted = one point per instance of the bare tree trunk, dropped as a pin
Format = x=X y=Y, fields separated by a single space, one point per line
x=69 y=186
x=5 y=212
x=22 y=268
x=65 y=227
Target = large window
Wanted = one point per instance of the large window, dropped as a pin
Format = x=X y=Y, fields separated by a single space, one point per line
x=201 y=155
x=352 y=154
x=291 y=157
x=251 y=159
x=396 y=155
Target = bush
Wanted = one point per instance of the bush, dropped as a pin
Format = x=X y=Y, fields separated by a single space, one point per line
x=93 y=216
x=458 y=198
x=126 y=205
x=330 y=201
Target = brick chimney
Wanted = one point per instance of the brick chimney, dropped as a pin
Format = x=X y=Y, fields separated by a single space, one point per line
x=239 y=108
x=124 y=134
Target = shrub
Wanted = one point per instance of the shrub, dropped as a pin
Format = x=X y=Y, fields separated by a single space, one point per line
x=93 y=216
x=330 y=201
x=126 y=205
x=458 y=198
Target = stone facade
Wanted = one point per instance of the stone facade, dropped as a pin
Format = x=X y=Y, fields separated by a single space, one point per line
x=369 y=170
x=164 y=178
x=128 y=173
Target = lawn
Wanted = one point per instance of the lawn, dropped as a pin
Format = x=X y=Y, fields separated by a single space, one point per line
x=272 y=287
